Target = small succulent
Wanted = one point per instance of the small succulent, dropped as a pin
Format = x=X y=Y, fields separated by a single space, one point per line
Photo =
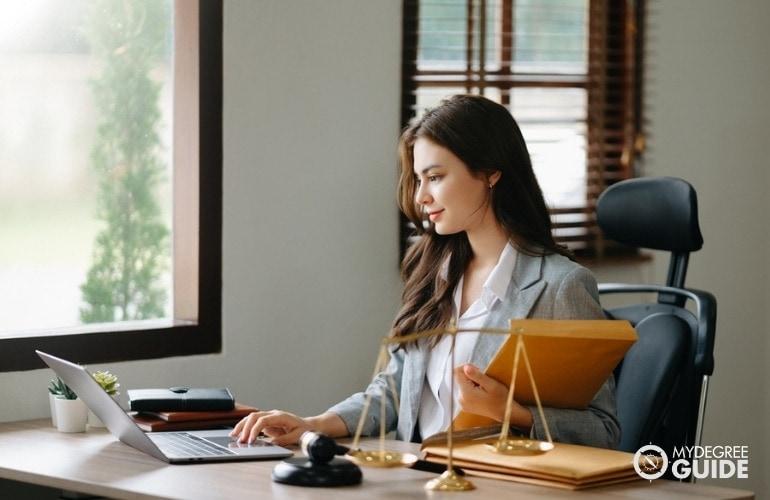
x=60 y=389
x=107 y=381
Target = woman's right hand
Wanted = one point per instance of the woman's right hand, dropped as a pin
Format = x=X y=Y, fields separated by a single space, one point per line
x=282 y=427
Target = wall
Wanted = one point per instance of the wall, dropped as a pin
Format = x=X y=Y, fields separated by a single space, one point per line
x=310 y=264
x=310 y=132
x=709 y=116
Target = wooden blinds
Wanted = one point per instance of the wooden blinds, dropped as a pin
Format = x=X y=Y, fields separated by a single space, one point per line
x=569 y=72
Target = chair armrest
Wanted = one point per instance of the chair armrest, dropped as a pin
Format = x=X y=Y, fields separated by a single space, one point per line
x=706 y=312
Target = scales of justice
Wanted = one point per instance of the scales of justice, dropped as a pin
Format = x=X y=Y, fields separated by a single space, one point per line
x=450 y=480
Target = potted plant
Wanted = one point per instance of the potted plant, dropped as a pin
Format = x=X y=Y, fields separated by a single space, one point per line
x=56 y=391
x=69 y=412
x=109 y=383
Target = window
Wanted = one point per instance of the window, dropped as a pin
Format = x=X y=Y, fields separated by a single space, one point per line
x=111 y=179
x=568 y=70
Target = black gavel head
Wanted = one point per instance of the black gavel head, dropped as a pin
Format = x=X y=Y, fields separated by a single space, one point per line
x=318 y=447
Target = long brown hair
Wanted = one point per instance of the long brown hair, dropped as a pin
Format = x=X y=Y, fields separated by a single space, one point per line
x=484 y=135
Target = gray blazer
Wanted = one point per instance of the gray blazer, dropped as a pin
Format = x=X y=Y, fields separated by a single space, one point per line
x=550 y=287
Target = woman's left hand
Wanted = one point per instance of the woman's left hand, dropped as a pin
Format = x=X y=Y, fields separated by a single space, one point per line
x=485 y=396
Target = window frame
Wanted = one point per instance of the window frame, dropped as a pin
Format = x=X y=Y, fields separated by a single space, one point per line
x=175 y=337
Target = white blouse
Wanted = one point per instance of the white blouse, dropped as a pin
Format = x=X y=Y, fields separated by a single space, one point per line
x=434 y=402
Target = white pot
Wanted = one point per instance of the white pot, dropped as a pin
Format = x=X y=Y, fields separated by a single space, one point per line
x=93 y=420
x=71 y=415
x=52 y=402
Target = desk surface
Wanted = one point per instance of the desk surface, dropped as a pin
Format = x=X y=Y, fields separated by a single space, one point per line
x=98 y=464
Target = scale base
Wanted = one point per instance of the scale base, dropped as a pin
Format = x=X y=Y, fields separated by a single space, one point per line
x=449 y=481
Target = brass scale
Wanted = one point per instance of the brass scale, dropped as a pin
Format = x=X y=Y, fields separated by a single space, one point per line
x=450 y=480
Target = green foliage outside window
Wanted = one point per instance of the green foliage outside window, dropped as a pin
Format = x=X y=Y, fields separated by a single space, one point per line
x=128 y=38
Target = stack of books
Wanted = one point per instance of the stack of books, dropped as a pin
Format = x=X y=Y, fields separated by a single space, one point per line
x=190 y=420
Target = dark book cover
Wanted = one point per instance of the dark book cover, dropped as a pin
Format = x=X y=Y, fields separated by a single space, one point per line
x=180 y=399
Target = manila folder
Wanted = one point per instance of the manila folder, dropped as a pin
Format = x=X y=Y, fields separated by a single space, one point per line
x=566 y=466
x=570 y=360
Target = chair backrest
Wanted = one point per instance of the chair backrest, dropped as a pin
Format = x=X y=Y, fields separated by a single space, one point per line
x=659 y=213
x=661 y=381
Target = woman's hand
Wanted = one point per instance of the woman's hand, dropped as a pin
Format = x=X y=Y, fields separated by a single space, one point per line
x=486 y=396
x=282 y=427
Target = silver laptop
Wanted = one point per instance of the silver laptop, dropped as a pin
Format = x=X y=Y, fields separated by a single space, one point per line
x=173 y=447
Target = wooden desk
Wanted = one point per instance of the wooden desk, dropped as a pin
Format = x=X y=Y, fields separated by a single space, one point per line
x=98 y=464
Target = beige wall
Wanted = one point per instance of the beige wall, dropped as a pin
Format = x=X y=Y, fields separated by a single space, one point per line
x=310 y=224
x=709 y=122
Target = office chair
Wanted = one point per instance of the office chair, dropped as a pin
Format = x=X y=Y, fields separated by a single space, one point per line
x=662 y=382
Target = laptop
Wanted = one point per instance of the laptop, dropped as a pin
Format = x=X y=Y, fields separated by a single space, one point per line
x=173 y=447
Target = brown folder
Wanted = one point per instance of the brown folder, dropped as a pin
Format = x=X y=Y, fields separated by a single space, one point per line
x=238 y=412
x=570 y=360
x=566 y=466
x=149 y=423
x=190 y=420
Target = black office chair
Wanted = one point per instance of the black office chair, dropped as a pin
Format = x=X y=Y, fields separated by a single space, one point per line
x=662 y=381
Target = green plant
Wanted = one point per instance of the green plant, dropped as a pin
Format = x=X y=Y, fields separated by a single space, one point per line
x=60 y=389
x=107 y=381
x=131 y=249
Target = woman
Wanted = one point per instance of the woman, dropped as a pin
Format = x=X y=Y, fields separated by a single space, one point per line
x=486 y=256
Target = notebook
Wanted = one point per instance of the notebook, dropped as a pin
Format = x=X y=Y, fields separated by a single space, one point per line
x=181 y=399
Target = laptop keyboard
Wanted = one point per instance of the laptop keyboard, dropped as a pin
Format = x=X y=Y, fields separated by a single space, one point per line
x=187 y=445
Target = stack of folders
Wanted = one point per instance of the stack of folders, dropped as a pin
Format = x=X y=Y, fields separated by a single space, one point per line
x=190 y=420
x=566 y=466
